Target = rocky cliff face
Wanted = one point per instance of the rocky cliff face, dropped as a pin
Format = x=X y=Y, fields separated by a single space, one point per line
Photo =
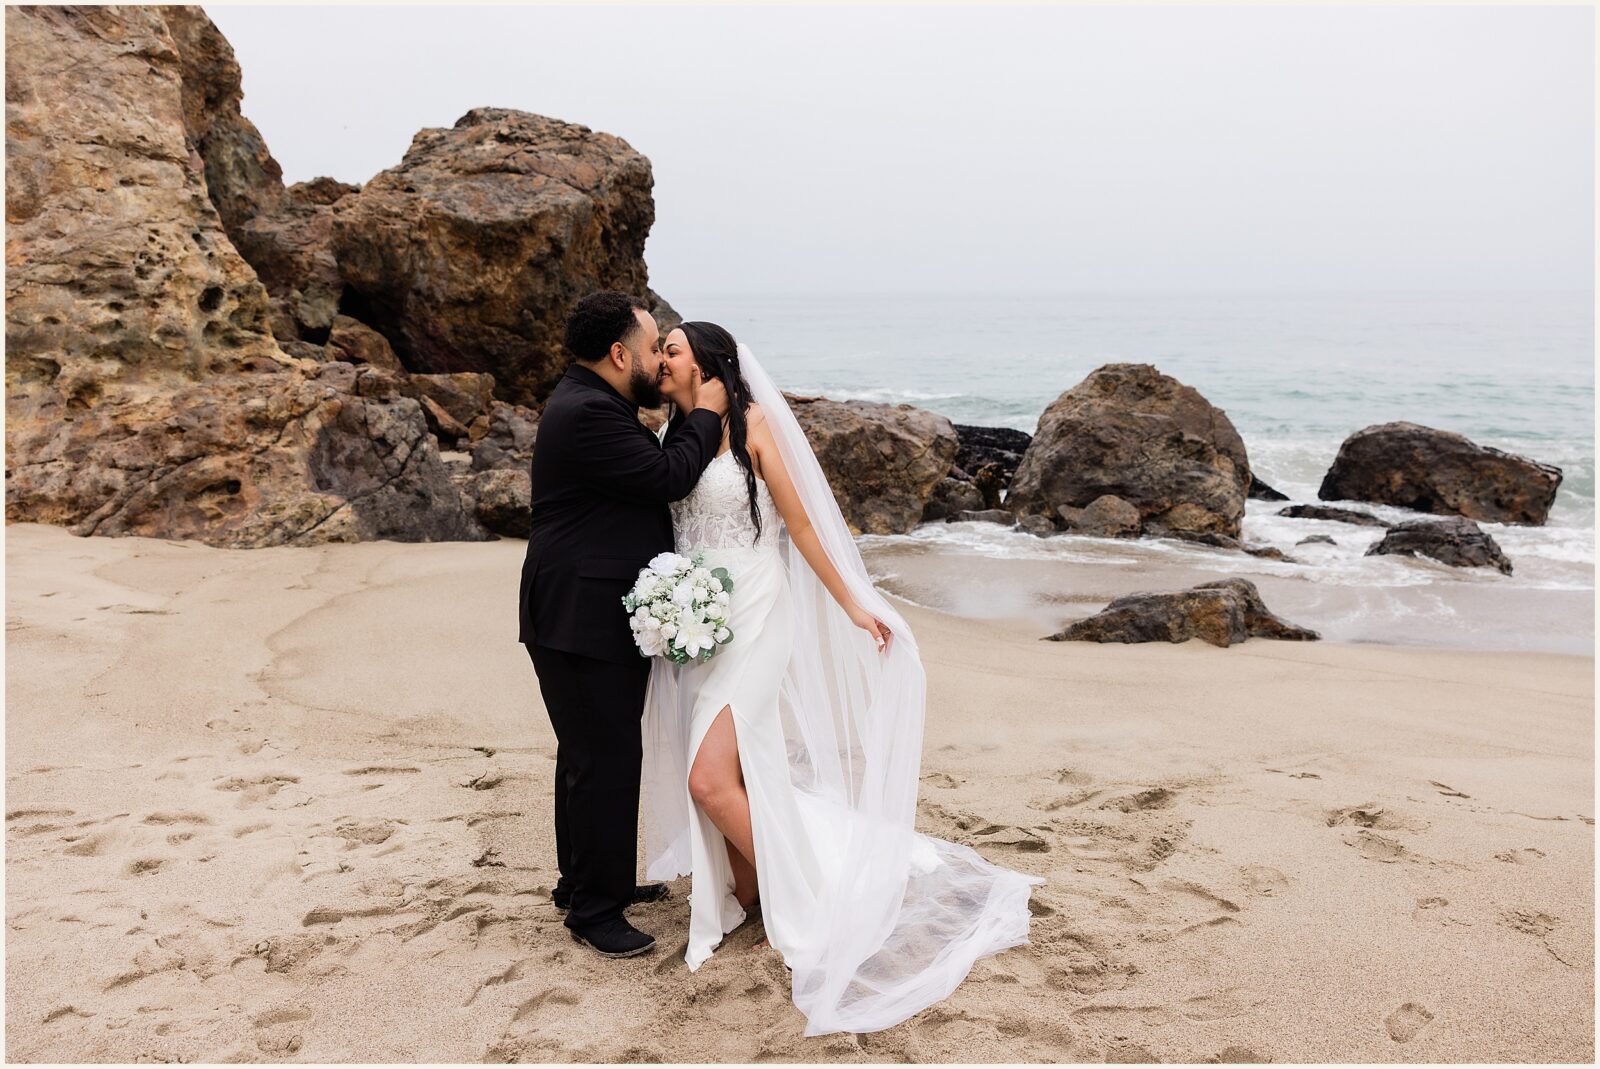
x=195 y=351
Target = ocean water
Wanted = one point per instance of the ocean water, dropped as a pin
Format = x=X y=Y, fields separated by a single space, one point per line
x=1296 y=373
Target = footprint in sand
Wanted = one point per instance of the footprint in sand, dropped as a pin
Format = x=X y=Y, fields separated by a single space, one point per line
x=486 y=780
x=253 y=789
x=1153 y=798
x=177 y=818
x=942 y=779
x=1405 y=1022
x=1376 y=847
x=1432 y=910
x=279 y=1031
x=1238 y=1056
x=1263 y=880
x=1536 y=923
x=1219 y=1005
x=1373 y=815
x=1523 y=856
x=1011 y=837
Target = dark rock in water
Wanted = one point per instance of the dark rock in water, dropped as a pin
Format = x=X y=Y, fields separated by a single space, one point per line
x=1315 y=539
x=985 y=516
x=991 y=445
x=882 y=461
x=1036 y=525
x=1221 y=613
x=1328 y=512
x=1107 y=516
x=1262 y=492
x=1430 y=470
x=992 y=479
x=503 y=501
x=1130 y=431
x=1220 y=541
x=950 y=497
x=1455 y=541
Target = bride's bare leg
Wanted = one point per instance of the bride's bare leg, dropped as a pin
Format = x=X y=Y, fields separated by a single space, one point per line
x=716 y=783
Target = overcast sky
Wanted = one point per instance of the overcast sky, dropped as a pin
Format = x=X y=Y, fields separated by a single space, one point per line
x=1038 y=148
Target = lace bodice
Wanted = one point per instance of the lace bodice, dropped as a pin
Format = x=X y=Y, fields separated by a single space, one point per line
x=716 y=514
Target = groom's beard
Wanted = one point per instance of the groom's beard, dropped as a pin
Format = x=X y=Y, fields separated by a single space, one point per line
x=646 y=389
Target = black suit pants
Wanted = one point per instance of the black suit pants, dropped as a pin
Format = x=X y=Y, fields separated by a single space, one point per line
x=595 y=708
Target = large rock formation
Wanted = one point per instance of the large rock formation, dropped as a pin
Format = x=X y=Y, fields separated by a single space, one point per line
x=145 y=392
x=1131 y=432
x=1221 y=613
x=468 y=254
x=1438 y=471
x=883 y=461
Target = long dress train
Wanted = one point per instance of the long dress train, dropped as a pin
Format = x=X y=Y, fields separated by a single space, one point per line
x=875 y=920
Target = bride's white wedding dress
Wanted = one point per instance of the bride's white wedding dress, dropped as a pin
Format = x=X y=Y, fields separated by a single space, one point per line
x=875 y=921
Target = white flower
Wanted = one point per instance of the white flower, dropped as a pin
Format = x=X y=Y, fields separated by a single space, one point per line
x=683 y=594
x=695 y=638
x=721 y=634
x=641 y=613
x=722 y=597
x=650 y=642
x=668 y=630
x=666 y=563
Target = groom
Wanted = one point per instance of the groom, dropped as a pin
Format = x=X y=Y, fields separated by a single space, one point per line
x=601 y=483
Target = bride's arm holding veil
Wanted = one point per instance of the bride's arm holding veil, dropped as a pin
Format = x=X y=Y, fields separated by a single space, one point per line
x=770 y=464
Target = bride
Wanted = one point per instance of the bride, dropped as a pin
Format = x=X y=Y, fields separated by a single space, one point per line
x=784 y=770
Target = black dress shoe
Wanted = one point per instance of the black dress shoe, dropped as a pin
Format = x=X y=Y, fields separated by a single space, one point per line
x=617 y=939
x=644 y=892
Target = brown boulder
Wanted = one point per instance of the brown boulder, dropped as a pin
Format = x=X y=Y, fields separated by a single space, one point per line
x=1107 y=516
x=949 y=497
x=882 y=461
x=1129 y=431
x=465 y=395
x=291 y=249
x=507 y=441
x=1221 y=613
x=469 y=253
x=354 y=341
x=1456 y=541
x=503 y=501
x=1430 y=470
x=145 y=394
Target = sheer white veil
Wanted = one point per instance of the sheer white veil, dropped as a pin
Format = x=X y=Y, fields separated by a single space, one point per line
x=900 y=917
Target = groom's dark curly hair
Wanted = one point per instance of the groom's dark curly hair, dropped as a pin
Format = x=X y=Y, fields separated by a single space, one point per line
x=599 y=321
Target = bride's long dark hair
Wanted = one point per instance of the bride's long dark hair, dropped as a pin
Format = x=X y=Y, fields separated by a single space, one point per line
x=718 y=356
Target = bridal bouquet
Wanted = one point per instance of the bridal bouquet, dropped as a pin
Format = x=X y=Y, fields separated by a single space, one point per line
x=679 y=608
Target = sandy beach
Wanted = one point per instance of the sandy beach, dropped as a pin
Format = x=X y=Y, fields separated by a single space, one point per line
x=294 y=805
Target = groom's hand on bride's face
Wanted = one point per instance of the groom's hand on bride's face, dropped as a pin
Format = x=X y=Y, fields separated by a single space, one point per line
x=712 y=394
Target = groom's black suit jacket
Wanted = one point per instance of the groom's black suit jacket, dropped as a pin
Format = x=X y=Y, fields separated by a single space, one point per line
x=601 y=483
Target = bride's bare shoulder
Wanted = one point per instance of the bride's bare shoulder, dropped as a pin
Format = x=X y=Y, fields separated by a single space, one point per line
x=754 y=416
